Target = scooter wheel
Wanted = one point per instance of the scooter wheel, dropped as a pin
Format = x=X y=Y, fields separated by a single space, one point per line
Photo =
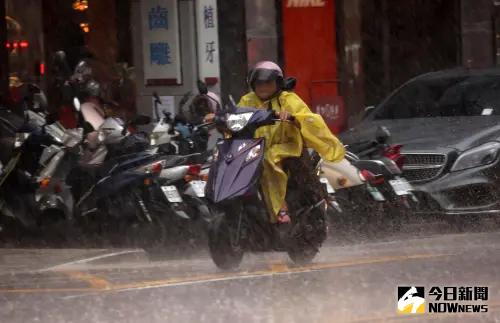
x=302 y=255
x=224 y=253
x=307 y=243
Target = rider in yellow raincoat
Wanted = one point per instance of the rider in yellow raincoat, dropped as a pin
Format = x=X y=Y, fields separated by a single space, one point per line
x=283 y=139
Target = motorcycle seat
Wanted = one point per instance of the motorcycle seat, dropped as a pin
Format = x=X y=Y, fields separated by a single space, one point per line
x=176 y=160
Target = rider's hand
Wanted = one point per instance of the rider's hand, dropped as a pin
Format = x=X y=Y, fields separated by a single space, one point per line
x=284 y=115
x=209 y=118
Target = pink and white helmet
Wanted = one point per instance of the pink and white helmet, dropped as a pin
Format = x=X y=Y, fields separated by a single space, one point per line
x=265 y=71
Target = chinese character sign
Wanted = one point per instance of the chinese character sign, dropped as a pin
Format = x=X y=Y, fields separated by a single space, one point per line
x=208 y=40
x=158 y=18
x=208 y=16
x=160 y=53
x=161 y=45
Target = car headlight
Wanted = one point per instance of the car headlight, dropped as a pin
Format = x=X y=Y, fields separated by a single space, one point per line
x=236 y=122
x=479 y=156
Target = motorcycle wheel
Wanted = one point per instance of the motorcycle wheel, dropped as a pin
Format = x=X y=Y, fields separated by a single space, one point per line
x=303 y=255
x=308 y=238
x=224 y=253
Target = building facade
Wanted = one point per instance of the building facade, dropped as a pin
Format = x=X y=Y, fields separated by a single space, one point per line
x=345 y=54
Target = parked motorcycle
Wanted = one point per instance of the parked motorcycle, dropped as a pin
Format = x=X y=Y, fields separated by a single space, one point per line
x=26 y=203
x=380 y=165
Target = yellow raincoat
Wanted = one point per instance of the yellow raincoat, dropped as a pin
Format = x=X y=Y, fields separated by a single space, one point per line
x=284 y=140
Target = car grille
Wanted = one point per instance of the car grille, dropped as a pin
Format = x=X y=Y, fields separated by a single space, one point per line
x=423 y=167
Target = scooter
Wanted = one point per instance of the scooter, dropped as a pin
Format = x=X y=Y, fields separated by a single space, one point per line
x=241 y=221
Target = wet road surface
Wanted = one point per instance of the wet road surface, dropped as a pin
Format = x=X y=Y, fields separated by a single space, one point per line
x=346 y=283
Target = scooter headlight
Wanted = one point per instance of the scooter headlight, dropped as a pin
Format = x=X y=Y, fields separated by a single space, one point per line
x=236 y=122
x=254 y=153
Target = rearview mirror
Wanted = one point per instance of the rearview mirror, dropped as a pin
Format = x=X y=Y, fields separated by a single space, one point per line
x=382 y=135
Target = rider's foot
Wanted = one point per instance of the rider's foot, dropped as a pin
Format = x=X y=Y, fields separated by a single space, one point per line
x=284 y=217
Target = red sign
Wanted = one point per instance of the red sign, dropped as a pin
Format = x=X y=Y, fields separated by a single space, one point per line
x=309 y=44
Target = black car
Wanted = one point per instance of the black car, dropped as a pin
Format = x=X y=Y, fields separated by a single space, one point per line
x=449 y=125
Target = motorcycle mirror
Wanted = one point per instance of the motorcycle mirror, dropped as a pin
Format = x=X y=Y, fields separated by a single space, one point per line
x=156 y=102
x=185 y=98
x=141 y=120
x=41 y=99
x=76 y=104
x=202 y=87
x=156 y=97
x=60 y=61
x=382 y=135
x=231 y=106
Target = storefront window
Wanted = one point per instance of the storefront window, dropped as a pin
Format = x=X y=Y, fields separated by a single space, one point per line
x=24 y=41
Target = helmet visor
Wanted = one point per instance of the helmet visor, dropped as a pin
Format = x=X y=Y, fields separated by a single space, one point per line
x=264 y=75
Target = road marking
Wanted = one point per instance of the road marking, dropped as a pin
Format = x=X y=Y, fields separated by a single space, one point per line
x=89 y=259
x=275 y=270
x=279 y=267
x=100 y=285
x=95 y=282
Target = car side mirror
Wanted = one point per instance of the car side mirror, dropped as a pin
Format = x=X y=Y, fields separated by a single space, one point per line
x=382 y=135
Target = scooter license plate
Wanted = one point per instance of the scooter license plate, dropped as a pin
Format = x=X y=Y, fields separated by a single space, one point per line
x=375 y=193
x=401 y=186
x=329 y=188
x=172 y=194
x=198 y=187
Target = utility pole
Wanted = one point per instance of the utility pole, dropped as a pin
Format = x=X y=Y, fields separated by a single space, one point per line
x=233 y=48
x=386 y=46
